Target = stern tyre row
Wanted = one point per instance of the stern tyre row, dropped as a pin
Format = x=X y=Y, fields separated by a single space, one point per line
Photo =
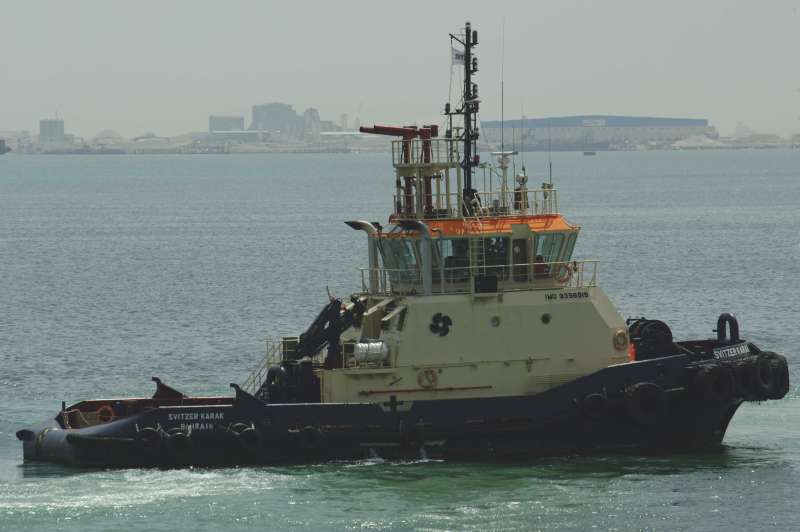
x=766 y=377
x=645 y=402
x=756 y=379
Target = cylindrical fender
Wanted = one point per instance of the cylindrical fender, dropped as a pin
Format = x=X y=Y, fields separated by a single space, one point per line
x=780 y=370
x=761 y=377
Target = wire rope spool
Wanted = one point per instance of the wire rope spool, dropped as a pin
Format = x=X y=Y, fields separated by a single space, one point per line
x=651 y=338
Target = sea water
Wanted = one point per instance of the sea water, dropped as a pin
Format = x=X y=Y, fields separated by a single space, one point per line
x=114 y=269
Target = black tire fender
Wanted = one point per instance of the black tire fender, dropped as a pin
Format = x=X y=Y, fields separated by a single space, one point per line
x=593 y=406
x=149 y=437
x=311 y=438
x=761 y=376
x=715 y=384
x=179 y=441
x=780 y=372
x=646 y=402
x=247 y=435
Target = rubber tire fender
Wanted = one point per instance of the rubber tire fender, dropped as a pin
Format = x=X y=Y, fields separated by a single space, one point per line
x=762 y=378
x=178 y=441
x=646 y=402
x=593 y=405
x=149 y=438
x=780 y=371
x=714 y=384
x=311 y=438
x=248 y=436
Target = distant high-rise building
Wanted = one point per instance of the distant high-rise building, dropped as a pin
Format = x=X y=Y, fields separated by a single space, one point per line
x=51 y=130
x=312 y=122
x=225 y=123
x=277 y=117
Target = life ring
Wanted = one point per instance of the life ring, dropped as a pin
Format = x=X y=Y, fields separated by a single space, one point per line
x=715 y=384
x=427 y=378
x=646 y=402
x=106 y=414
x=620 y=340
x=563 y=273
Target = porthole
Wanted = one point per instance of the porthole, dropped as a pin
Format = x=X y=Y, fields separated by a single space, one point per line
x=495 y=321
x=546 y=318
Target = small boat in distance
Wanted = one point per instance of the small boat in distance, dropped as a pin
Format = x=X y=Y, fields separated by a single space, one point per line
x=590 y=153
x=476 y=333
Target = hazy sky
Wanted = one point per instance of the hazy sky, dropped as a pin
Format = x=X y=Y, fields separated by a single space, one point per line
x=164 y=66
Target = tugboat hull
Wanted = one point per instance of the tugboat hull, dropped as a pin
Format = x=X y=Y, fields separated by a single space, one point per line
x=658 y=405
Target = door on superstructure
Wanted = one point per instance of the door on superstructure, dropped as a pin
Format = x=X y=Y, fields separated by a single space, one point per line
x=519 y=259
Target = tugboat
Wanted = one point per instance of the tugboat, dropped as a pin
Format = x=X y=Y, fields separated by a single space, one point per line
x=475 y=334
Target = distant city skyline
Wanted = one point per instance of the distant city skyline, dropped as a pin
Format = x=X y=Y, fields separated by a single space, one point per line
x=167 y=67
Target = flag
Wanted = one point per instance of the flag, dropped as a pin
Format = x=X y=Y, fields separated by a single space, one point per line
x=458 y=57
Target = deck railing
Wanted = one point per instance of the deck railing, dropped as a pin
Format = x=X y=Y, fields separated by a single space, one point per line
x=438 y=152
x=510 y=277
x=275 y=348
x=517 y=202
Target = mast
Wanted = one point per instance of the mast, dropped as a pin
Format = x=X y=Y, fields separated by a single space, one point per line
x=469 y=111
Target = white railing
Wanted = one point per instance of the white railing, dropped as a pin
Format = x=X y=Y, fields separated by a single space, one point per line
x=274 y=353
x=435 y=152
x=510 y=277
x=519 y=202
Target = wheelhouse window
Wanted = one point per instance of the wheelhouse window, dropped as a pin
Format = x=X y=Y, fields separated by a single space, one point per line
x=569 y=247
x=548 y=247
x=400 y=257
x=453 y=255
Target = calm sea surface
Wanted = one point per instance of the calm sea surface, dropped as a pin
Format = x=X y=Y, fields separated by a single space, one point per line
x=114 y=269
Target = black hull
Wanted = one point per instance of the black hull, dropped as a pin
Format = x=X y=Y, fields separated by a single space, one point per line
x=557 y=422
